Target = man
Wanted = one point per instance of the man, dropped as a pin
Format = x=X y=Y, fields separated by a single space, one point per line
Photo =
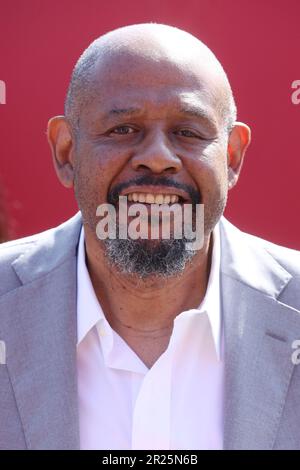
x=142 y=344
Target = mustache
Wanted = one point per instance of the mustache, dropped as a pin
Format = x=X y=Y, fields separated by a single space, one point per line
x=113 y=194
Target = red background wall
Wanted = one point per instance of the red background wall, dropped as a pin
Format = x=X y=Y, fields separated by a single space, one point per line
x=258 y=43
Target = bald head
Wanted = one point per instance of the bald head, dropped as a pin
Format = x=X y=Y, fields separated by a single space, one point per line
x=155 y=44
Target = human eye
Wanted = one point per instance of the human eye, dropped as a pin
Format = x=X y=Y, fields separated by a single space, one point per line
x=187 y=133
x=122 y=130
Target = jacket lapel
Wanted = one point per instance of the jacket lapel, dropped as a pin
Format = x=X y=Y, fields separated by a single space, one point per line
x=258 y=333
x=41 y=338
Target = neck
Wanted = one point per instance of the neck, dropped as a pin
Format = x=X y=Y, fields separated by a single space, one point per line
x=142 y=311
x=138 y=303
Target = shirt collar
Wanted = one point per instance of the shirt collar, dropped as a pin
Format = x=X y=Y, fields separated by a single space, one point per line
x=90 y=312
x=211 y=304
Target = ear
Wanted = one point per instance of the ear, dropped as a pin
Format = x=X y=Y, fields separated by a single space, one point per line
x=238 y=142
x=61 y=141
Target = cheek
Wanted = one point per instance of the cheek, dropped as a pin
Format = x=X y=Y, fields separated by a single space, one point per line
x=210 y=174
x=89 y=188
x=95 y=170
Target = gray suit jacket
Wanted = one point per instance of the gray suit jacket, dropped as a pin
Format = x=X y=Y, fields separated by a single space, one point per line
x=261 y=313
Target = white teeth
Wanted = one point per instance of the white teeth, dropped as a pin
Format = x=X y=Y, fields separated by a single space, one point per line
x=150 y=198
x=153 y=198
x=159 y=199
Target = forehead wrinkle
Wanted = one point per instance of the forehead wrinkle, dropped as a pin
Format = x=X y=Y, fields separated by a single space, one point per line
x=186 y=109
x=124 y=111
x=198 y=112
x=108 y=66
x=194 y=111
x=156 y=42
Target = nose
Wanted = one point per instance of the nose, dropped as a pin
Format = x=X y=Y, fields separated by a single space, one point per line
x=156 y=155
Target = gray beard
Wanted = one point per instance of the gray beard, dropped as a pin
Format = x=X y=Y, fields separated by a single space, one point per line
x=145 y=258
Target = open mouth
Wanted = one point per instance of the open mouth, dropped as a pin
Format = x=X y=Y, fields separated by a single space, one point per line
x=156 y=195
x=149 y=198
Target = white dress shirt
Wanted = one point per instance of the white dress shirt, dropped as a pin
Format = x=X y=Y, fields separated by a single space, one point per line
x=177 y=403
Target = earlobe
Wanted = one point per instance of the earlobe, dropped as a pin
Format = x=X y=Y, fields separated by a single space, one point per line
x=62 y=144
x=232 y=178
x=238 y=143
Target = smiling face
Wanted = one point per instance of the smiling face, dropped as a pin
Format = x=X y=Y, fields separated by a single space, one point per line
x=152 y=129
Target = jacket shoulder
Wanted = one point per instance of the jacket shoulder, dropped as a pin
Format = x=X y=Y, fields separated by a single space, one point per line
x=9 y=252
x=36 y=254
x=254 y=261
x=288 y=258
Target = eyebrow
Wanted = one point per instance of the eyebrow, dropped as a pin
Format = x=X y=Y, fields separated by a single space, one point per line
x=189 y=110
x=124 y=111
x=196 y=111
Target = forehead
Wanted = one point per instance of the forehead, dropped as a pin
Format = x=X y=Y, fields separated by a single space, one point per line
x=155 y=85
